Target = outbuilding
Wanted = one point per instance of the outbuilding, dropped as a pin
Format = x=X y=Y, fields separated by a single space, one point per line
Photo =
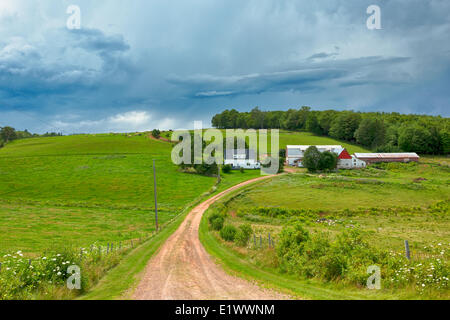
x=387 y=157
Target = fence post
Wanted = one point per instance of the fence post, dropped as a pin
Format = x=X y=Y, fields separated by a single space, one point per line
x=407 y=252
x=29 y=262
x=260 y=241
x=0 y=267
x=99 y=250
x=107 y=248
x=132 y=243
x=269 y=239
x=112 y=247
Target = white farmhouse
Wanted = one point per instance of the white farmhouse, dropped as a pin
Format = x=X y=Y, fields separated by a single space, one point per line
x=242 y=158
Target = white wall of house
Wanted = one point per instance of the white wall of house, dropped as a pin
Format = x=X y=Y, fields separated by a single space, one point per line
x=353 y=163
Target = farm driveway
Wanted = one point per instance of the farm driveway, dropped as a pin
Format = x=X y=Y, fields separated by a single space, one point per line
x=183 y=270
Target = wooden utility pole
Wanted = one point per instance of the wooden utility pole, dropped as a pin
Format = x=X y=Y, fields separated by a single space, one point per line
x=156 y=198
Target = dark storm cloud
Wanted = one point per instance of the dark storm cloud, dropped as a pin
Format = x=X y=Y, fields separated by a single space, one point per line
x=188 y=59
x=310 y=76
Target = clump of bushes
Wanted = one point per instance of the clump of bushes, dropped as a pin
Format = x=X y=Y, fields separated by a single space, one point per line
x=216 y=220
x=156 y=133
x=437 y=209
x=314 y=160
x=243 y=234
x=347 y=257
x=226 y=168
x=228 y=233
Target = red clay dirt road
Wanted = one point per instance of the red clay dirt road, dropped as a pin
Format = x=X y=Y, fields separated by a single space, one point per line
x=183 y=270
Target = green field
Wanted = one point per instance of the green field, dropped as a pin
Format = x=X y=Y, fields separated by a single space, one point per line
x=88 y=188
x=386 y=204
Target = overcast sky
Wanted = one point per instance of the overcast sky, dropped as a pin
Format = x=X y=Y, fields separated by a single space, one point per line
x=140 y=64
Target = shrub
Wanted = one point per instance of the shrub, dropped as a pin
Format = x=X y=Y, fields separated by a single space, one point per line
x=291 y=241
x=328 y=161
x=226 y=168
x=214 y=215
x=217 y=223
x=156 y=133
x=243 y=234
x=216 y=220
x=311 y=159
x=228 y=233
x=347 y=257
x=241 y=170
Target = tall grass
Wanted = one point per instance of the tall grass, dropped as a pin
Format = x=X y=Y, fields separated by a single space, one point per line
x=46 y=277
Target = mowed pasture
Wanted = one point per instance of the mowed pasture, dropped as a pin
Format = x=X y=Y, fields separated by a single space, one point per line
x=87 y=188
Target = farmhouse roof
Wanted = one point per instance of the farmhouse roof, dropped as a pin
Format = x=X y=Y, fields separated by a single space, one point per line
x=300 y=149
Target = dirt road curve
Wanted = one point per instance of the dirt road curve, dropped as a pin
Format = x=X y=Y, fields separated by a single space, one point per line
x=182 y=269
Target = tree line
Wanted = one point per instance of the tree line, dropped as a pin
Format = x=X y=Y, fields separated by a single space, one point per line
x=8 y=134
x=378 y=131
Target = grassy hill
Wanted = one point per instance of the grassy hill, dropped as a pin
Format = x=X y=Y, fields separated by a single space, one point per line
x=87 y=188
x=83 y=189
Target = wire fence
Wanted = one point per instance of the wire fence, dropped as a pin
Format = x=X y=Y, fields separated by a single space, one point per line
x=261 y=241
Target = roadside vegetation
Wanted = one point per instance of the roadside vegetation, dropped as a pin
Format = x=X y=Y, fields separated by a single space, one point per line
x=321 y=232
